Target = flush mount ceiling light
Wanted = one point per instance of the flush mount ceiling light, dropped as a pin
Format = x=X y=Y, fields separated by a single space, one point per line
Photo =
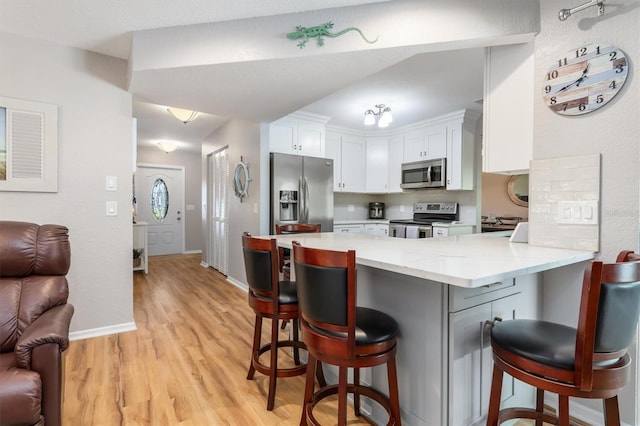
x=167 y=146
x=565 y=13
x=183 y=115
x=383 y=116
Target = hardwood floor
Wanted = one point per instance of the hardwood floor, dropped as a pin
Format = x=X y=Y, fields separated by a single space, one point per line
x=187 y=362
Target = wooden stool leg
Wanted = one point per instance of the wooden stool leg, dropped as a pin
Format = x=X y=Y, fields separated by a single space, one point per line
x=309 y=384
x=611 y=411
x=342 y=396
x=394 y=399
x=320 y=375
x=563 y=410
x=273 y=365
x=257 y=330
x=494 y=400
x=356 y=394
x=539 y=405
x=296 y=338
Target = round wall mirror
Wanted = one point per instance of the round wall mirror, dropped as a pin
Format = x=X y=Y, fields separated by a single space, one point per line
x=518 y=190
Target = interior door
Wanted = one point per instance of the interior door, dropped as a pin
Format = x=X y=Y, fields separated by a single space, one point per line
x=160 y=203
x=217 y=212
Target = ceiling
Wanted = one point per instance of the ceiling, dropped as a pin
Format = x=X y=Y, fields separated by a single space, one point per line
x=415 y=89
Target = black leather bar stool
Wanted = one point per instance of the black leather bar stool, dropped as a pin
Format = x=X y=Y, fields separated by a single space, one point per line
x=338 y=332
x=270 y=298
x=589 y=361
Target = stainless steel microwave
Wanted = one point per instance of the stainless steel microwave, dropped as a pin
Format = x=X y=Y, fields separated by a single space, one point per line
x=424 y=174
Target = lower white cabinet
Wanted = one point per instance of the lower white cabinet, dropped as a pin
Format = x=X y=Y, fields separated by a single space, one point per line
x=470 y=357
x=378 y=229
x=446 y=231
x=348 y=228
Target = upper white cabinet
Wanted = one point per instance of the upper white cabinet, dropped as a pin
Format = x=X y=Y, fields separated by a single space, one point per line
x=461 y=134
x=396 y=158
x=298 y=136
x=426 y=143
x=508 y=109
x=349 y=154
x=377 y=165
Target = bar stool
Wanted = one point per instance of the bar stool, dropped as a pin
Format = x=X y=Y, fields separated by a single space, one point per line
x=270 y=298
x=285 y=254
x=588 y=362
x=338 y=332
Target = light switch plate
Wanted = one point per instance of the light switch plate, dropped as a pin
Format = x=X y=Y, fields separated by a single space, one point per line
x=578 y=212
x=112 y=208
x=111 y=183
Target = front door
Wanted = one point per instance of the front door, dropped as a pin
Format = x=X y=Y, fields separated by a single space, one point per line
x=160 y=203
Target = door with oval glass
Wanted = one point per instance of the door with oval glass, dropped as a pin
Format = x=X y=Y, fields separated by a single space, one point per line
x=160 y=203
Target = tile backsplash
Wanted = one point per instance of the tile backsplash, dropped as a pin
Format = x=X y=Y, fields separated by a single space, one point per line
x=557 y=180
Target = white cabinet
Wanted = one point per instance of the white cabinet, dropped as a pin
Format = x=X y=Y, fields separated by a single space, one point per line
x=348 y=153
x=377 y=165
x=378 y=229
x=508 y=108
x=460 y=169
x=297 y=137
x=446 y=231
x=470 y=361
x=357 y=228
x=396 y=158
x=426 y=144
x=140 y=243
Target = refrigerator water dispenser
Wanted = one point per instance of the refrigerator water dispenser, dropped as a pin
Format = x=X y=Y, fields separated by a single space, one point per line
x=288 y=205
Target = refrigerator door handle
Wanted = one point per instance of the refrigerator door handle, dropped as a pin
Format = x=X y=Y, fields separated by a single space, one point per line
x=301 y=200
x=306 y=200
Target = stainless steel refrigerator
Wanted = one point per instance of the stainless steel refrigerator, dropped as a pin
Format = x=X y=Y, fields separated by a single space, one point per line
x=301 y=190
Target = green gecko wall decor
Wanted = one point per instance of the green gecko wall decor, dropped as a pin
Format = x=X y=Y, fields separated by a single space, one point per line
x=321 y=31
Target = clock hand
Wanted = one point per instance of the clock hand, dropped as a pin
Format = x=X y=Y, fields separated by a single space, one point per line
x=578 y=81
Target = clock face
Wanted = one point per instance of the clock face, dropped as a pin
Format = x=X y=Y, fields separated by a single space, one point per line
x=585 y=79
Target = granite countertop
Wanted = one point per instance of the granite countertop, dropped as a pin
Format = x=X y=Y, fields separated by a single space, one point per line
x=471 y=260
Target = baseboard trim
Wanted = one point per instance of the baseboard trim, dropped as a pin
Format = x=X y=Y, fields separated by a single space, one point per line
x=102 y=331
x=579 y=413
x=242 y=286
x=192 y=252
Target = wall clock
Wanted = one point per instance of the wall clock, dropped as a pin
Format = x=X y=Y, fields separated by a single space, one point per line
x=585 y=79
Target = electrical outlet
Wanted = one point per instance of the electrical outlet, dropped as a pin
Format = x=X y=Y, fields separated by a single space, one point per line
x=351 y=208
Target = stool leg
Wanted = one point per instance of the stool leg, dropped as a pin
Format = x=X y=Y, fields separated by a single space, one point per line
x=320 y=375
x=494 y=399
x=296 y=338
x=394 y=399
x=257 y=329
x=308 y=387
x=342 y=396
x=273 y=366
x=563 y=410
x=611 y=411
x=539 y=405
x=356 y=394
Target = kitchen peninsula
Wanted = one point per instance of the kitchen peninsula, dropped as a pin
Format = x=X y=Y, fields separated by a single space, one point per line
x=442 y=292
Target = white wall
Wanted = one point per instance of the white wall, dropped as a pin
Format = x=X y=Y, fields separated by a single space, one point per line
x=94 y=141
x=613 y=131
x=243 y=138
x=191 y=161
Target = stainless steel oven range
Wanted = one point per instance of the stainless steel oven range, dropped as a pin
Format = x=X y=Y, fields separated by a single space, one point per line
x=424 y=215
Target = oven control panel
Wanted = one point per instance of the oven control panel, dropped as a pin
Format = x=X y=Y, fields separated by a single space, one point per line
x=447 y=208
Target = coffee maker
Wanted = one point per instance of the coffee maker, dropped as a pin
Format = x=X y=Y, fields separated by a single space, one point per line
x=376 y=210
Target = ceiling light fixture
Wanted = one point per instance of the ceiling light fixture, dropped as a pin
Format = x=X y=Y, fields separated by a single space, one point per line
x=167 y=146
x=183 y=115
x=383 y=115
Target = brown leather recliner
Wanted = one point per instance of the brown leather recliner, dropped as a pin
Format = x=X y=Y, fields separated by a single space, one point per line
x=34 y=322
